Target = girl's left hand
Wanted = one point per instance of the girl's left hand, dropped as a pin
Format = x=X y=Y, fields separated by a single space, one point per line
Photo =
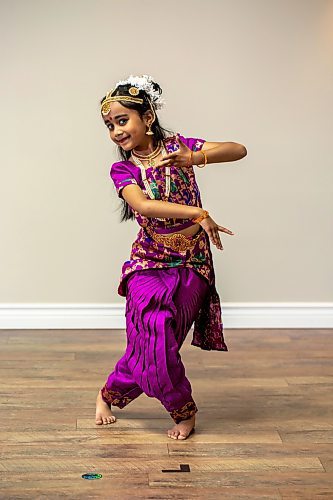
x=179 y=158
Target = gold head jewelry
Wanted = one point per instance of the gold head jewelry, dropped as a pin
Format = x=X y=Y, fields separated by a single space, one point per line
x=105 y=107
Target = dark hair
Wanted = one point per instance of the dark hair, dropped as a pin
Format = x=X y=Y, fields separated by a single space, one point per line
x=159 y=131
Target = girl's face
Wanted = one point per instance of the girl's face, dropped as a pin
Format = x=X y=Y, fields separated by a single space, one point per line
x=125 y=123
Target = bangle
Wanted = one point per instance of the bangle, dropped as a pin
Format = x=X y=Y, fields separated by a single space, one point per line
x=201 y=217
x=205 y=159
x=190 y=160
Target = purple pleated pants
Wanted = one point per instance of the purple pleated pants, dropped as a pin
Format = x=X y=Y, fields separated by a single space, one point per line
x=161 y=306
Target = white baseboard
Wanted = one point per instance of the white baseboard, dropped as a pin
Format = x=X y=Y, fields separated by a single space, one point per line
x=109 y=316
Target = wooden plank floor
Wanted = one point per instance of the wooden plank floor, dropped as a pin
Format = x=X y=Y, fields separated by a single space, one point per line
x=264 y=429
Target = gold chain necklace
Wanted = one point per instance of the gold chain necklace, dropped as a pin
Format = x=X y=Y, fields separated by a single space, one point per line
x=150 y=157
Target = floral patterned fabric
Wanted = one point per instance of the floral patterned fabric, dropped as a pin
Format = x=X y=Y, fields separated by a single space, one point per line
x=147 y=253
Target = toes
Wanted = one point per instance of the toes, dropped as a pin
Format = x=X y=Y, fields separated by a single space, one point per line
x=174 y=434
x=177 y=434
x=110 y=419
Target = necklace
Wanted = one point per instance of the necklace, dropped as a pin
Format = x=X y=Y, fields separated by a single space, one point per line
x=137 y=160
x=150 y=157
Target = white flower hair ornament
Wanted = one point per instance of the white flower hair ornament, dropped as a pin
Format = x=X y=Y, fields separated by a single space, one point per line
x=143 y=82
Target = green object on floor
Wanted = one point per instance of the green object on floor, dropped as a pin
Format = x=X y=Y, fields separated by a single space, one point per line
x=91 y=476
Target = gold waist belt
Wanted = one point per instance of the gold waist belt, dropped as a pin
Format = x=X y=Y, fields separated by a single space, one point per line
x=178 y=241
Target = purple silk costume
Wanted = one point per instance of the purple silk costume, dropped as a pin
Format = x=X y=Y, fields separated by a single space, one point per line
x=166 y=291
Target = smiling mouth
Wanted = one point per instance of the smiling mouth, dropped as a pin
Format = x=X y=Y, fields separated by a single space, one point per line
x=123 y=140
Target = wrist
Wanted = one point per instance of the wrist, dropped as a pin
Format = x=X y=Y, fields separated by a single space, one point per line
x=203 y=214
x=200 y=157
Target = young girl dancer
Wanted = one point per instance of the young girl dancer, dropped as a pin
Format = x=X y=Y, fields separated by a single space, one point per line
x=169 y=280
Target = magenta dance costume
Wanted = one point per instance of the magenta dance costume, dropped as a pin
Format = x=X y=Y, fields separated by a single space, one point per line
x=166 y=291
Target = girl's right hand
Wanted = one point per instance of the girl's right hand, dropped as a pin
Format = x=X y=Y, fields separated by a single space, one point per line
x=212 y=229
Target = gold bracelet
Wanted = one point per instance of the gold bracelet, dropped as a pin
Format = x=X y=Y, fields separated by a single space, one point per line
x=201 y=217
x=205 y=157
x=190 y=161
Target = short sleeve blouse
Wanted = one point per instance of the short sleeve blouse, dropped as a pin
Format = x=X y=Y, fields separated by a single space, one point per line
x=122 y=175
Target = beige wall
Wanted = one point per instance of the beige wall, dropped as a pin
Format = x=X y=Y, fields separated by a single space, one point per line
x=256 y=72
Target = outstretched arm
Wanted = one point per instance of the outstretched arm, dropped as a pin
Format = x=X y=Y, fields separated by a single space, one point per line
x=218 y=152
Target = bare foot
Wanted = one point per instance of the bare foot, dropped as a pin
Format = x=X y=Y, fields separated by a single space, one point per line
x=103 y=412
x=183 y=429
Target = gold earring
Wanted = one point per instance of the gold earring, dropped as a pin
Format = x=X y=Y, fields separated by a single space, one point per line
x=149 y=132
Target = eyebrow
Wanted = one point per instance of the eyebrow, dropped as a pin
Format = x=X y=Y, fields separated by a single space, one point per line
x=118 y=116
